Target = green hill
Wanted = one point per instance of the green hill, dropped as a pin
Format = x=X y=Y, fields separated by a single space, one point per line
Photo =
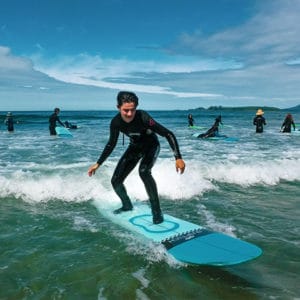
x=239 y=108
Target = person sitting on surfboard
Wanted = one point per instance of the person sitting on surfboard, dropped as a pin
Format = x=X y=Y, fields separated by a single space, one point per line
x=288 y=123
x=259 y=121
x=214 y=130
x=144 y=146
x=52 y=121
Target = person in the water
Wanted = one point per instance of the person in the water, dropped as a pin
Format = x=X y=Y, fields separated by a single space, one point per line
x=191 y=120
x=52 y=121
x=144 y=146
x=9 y=122
x=214 y=130
x=288 y=123
x=70 y=125
x=259 y=121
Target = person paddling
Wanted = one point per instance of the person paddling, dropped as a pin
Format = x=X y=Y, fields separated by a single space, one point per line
x=214 y=130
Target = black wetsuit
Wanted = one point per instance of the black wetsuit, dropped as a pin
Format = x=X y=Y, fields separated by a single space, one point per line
x=259 y=121
x=52 y=123
x=191 y=121
x=213 y=131
x=287 y=124
x=9 y=123
x=70 y=125
x=144 y=146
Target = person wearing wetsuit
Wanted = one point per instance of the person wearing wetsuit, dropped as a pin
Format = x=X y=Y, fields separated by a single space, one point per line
x=52 y=121
x=214 y=130
x=288 y=123
x=259 y=121
x=191 y=120
x=144 y=146
x=70 y=125
x=9 y=122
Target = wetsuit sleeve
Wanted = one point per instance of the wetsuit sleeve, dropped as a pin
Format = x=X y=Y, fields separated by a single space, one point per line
x=59 y=121
x=173 y=144
x=109 y=147
x=163 y=131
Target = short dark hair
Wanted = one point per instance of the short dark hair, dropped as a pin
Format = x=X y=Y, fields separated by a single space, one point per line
x=127 y=97
x=56 y=109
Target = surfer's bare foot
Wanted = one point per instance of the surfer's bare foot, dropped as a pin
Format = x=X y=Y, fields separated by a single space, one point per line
x=122 y=209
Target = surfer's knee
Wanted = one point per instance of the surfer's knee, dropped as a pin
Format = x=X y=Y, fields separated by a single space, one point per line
x=145 y=172
x=115 y=181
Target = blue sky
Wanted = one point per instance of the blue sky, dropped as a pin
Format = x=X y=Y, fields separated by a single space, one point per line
x=175 y=54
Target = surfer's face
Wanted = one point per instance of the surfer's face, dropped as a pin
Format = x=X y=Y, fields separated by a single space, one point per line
x=127 y=111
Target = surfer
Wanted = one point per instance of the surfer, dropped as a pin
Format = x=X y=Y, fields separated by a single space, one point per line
x=52 y=121
x=9 y=122
x=70 y=125
x=288 y=123
x=259 y=121
x=191 y=120
x=144 y=146
x=214 y=130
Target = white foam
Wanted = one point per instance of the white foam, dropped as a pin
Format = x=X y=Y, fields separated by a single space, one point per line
x=259 y=172
x=200 y=176
x=140 y=276
x=83 y=224
x=212 y=223
x=151 y=251
x=140 y=295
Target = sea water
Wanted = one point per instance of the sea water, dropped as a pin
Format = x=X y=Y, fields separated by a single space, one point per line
x=55 y=244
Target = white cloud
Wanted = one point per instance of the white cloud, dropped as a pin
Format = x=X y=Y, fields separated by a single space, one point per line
x=246 y=62
x=267 y=46
x=96 y=71
x=13 y=63
x=272 y=34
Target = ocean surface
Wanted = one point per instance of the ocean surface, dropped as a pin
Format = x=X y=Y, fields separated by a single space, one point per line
x=55 y=244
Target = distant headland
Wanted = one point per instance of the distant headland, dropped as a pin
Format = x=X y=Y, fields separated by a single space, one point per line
x=247 y=108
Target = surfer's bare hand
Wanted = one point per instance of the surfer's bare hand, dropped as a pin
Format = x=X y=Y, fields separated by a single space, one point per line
x=180 y=165
x=93 y=169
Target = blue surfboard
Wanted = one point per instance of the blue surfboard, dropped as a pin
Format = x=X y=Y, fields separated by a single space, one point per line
x=63 y=132
x=186 y=241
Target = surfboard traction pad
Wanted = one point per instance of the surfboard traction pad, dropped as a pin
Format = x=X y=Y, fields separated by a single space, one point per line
x=181 y=238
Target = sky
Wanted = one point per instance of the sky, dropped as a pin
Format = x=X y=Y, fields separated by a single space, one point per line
x=174 y=54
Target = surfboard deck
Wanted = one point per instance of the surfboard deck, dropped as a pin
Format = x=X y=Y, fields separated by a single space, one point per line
x=63 y=132
x=185 y=241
